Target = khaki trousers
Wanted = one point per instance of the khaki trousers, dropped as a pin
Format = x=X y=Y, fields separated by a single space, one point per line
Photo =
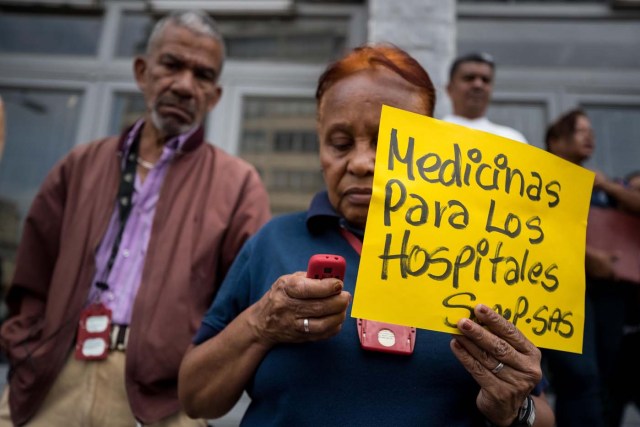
x=90 y=394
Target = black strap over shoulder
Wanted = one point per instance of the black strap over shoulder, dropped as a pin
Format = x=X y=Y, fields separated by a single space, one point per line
x=125 y=203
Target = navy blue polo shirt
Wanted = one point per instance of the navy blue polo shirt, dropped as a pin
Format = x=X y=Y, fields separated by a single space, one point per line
x=335 y=382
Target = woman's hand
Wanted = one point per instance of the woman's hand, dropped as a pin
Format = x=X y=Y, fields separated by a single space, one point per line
x=501 y=359
x=300 y=309
x=232 y=356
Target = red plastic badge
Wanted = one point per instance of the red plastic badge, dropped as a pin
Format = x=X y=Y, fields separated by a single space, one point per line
x=94 y=330
x=386 y=337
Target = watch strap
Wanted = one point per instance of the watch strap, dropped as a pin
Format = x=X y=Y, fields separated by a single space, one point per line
x=526 y=415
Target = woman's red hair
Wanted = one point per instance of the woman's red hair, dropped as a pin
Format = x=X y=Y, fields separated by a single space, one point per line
x=374 y=56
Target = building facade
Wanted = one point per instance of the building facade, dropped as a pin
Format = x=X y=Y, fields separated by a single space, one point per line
x=66 y=77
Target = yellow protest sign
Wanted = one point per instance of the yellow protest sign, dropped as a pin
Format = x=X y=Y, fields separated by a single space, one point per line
x=460 y=217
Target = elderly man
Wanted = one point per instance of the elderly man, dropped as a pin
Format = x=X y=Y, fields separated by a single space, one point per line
x=469 y=88
x=124 y=248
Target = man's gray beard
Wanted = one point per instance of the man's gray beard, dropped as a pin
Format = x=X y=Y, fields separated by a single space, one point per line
x=169 y=130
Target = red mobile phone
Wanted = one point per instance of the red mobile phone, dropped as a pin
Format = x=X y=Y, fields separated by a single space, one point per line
x=323 y=266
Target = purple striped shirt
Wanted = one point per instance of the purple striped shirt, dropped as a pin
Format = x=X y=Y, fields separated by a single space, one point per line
x=126 y=273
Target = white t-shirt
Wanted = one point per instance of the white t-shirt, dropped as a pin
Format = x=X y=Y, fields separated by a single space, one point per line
x=485 y=125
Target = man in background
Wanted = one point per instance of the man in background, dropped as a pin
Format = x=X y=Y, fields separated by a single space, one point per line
x=2 y=128
x=470 y=86
x=124 y=248
x=583 y=382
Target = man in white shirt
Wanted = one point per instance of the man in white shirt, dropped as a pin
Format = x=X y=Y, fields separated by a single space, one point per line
x=469 y=88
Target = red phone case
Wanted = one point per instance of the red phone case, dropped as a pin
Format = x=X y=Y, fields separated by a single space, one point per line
x=323 y=266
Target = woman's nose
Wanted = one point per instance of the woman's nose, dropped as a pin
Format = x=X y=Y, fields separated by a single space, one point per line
x=362 y=162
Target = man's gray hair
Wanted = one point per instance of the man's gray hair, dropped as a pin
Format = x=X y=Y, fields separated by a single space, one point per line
x=195 y=20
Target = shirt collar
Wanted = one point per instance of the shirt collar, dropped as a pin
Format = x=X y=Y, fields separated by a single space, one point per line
x=464 y=120
x=175 y=144
x=183 y=143
x=321 y=216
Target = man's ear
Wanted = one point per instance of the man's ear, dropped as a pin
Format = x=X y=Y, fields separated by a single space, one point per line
x=139 y=71
x=552 y=145
x=448 y=88
x=215 y=98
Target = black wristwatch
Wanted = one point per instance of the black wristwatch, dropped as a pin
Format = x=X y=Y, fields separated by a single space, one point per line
x=526 y=415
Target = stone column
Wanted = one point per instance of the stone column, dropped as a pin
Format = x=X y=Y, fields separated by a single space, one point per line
x=424 y=28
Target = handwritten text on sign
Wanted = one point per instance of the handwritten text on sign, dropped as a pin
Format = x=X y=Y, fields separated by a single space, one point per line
x=460 y=217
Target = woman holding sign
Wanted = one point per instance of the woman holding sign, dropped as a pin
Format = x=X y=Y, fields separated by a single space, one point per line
x=289 y=340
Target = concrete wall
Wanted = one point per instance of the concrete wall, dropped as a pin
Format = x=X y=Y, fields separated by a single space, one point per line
x=424 y=28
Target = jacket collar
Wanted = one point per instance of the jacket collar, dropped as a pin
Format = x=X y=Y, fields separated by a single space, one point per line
x=194 y=141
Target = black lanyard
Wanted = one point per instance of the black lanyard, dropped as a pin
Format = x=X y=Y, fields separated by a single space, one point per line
x=125 y=204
